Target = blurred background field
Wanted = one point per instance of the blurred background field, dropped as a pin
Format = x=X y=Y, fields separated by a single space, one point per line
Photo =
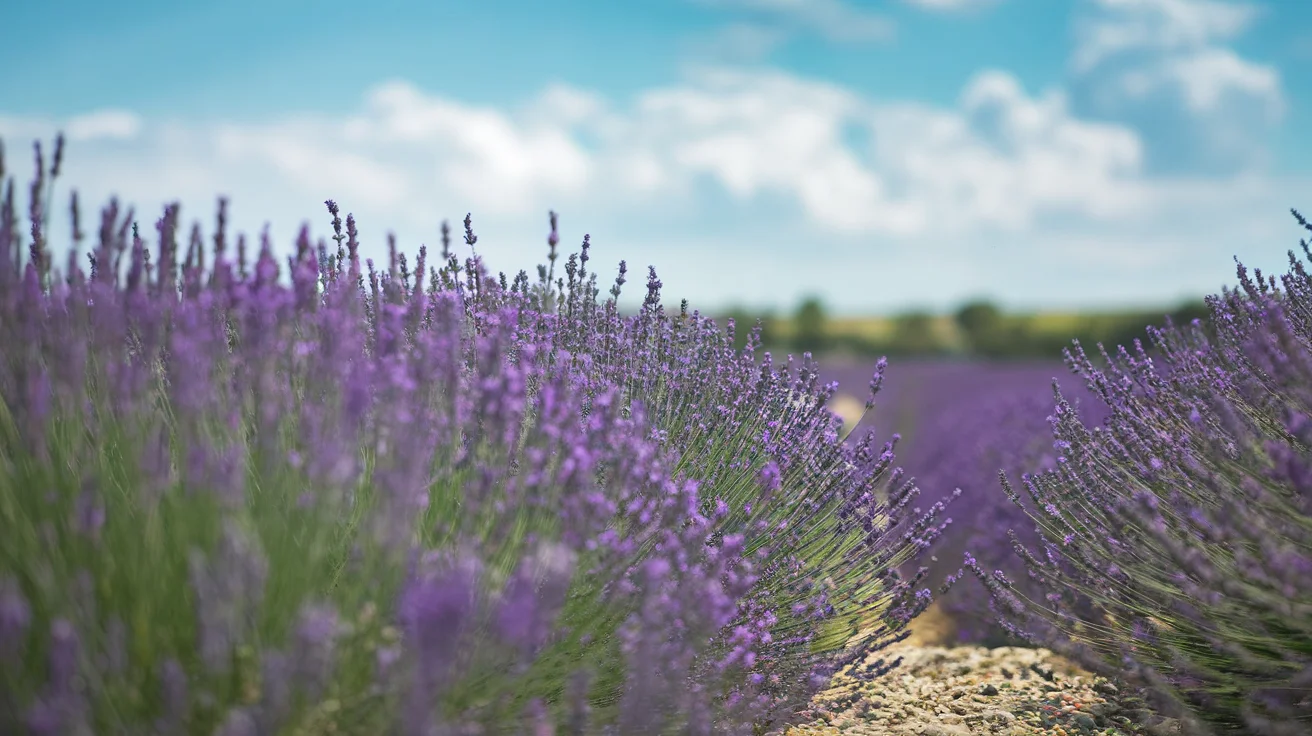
x=969 y=393
x=963 y=414
x=978 y=330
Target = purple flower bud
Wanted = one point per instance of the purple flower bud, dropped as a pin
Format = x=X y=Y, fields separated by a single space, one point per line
x=89 y=515
x=173 y=690
x=316 y=635
x=65 y=654
x=15 y=618
x=535 y=596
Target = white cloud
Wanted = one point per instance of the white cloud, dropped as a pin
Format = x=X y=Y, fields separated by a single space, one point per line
x=1207 y=78
x=1162 y=25
x=1000 y=166
x=407 y=142
x=113 y=124
x=305 y=156
x=755 y=132
x=1030 y=155
x=999 y=160
x=1167 y=64
x=835 y=20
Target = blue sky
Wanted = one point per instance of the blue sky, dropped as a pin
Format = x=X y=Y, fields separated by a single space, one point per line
x=882 y=155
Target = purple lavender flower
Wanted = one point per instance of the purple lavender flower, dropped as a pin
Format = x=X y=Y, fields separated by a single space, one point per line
x=1184 y=518
x=535 y=596
x=316 y=636
x=535 y=492
x=15 y=618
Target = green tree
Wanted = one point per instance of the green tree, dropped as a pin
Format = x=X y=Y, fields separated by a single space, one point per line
x=978 y=317
x=981 y=322
x=810 y=328
x=914 y=334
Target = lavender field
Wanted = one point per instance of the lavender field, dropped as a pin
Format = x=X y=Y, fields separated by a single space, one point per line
x=960 y=423
x=244 y=495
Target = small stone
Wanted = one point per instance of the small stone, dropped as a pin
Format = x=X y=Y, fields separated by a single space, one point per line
x=943 y=729
x=1045 y=674
x=988 y=689
x=1105 y=688
x=1166 y=727
x=1085 y=722
x=1102 y=710
x=1008 y=673
x=999 y=716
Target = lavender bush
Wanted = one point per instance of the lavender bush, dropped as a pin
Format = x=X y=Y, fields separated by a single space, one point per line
x=363 y=503
x=962 y=423
x=1186 y=520
x=965 y=448
x=707 y=400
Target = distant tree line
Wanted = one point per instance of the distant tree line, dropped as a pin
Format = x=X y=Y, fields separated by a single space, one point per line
x=977 y=329
x=988 y=332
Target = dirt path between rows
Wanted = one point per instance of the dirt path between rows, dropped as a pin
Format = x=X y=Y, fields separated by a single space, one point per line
x=961 y=690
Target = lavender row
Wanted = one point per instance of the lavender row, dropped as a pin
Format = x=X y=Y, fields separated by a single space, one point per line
x=418 y=499
x=1174 y=543
x=1164 y=533
x=963 y=422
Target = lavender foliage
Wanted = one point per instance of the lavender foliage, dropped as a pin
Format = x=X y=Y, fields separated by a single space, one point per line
x=412 y=500
x=1186 y=520
x=963 y=421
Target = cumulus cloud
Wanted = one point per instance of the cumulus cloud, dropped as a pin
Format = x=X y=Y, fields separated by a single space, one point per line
x=999 y=159
x=1120 y=26
x=1209 y=79
x=1024 y=155
x=1176 y=45
x=753 y=132
x=1001 y=166
x=1165 y=67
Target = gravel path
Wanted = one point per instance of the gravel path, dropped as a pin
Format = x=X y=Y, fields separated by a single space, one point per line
x=956 y=691
x=972 y=690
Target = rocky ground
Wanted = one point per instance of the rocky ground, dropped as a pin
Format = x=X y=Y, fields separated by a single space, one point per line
x=956 y=691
